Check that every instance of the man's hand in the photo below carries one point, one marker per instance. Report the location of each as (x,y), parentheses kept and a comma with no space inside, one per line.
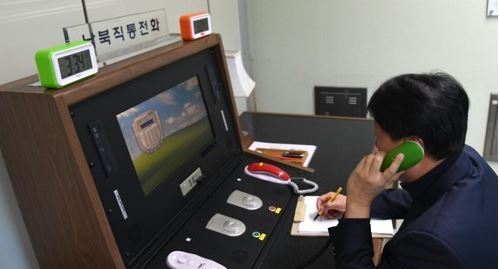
(366,182)
(334,209)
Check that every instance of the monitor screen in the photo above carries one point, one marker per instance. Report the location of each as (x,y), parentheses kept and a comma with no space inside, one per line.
(200,25)
(75,63)
(165,131)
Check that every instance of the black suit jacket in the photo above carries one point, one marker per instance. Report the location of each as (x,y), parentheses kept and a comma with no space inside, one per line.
(450,220)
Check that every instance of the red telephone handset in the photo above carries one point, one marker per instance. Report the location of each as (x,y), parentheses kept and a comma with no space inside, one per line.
(268,169)
(272,173)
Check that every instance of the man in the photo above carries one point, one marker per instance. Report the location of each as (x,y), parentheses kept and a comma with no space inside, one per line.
(448,201)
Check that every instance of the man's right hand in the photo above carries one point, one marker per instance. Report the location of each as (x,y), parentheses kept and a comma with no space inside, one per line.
(334,209)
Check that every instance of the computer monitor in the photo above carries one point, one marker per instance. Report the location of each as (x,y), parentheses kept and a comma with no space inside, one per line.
(165,131)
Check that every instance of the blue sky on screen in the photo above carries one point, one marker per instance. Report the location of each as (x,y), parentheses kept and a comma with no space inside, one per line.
(178,107)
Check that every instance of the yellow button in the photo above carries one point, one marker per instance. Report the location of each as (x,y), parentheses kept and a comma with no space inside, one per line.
(262,236)
(278,210)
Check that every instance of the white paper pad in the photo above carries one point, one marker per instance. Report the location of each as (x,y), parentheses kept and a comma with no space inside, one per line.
(320,226)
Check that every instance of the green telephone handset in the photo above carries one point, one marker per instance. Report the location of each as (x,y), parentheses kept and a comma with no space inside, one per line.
(413,154)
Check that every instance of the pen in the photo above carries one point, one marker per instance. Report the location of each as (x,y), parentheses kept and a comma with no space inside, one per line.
(331,199)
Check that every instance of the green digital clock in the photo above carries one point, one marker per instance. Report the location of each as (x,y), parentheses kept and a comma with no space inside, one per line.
(64,64)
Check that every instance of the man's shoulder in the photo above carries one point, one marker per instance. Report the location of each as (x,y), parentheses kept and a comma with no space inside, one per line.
(472,153)
(480,167)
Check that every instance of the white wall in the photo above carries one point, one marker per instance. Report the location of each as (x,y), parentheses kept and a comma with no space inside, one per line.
(105,9)
(22,34)
(15,248)
(225,20)
(229,19)
(296,45)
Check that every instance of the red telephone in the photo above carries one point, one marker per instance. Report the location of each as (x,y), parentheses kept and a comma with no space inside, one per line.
(272,173)
(268,169)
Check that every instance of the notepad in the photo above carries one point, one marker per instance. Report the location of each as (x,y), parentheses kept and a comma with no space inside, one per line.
(304,224)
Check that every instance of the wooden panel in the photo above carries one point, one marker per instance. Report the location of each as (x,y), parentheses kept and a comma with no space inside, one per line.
(54,191)
(377,249)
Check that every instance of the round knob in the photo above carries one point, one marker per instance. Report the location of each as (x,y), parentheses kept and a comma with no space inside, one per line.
(249,201)
(230,226)
(183,259)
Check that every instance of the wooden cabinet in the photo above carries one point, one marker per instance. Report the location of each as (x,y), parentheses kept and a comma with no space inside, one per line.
(50,175)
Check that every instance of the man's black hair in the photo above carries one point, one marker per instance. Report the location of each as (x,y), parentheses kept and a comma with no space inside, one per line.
(433,107)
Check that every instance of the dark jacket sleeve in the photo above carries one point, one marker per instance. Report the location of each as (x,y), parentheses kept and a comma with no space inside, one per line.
(420,250)
(353,249)
(352,243)
(391,204)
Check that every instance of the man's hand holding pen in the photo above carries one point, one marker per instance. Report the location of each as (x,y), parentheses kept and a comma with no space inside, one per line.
(331,209)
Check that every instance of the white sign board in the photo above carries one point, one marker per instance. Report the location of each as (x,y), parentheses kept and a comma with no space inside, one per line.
(118,36)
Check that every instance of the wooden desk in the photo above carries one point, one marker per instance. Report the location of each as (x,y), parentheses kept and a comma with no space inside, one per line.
(341,142)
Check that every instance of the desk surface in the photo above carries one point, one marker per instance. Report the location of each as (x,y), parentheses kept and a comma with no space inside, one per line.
(341,143)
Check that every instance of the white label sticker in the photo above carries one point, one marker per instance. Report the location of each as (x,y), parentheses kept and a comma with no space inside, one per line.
(191,181)
(120,204)
(225,122)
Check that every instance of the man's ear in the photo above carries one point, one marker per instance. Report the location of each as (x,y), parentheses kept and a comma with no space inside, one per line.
(416,139)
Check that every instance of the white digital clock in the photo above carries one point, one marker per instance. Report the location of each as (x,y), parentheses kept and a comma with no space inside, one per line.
(64,64)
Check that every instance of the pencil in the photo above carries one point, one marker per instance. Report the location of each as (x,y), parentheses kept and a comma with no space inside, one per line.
(331,199)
